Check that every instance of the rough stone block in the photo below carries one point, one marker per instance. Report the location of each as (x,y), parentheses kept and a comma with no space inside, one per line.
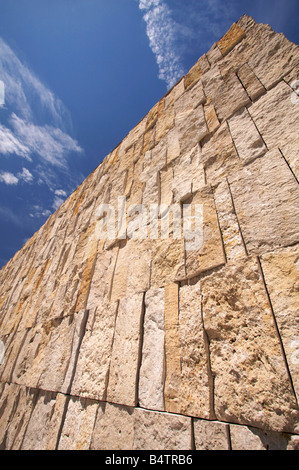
(161,431)
(246,137)
(152,370)
(234,35)
(251,381)
(275,116)
(125,359)
(250,81)
(207,251)
(281,271)
(211,435)
(265,195)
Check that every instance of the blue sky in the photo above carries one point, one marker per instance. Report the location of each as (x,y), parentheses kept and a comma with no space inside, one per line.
(79,75)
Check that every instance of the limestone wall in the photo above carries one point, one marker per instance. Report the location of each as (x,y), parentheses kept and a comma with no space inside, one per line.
(132,343)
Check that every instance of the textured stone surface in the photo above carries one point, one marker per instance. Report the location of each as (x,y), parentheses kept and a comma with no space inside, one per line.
(143,339)
(161,431)
(194,392)
(251,379)
(250,81)
(266,199)
(281,271)
(172,349)
(210,253)
(247,140)
(275,116)
(230,39)
(211,435)
(93,365)
(114,428)
(125,352)
(152,369)
(78,425)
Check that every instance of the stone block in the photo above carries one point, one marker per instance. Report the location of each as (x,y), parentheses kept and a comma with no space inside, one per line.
(211,435)
(265,195)
(251,381)
(125,359)
(250,81)
(281,271)
(246,137)
(152,369)
(275,116)
(234,35)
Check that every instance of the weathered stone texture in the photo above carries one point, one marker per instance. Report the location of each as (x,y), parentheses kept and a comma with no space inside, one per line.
(180,330)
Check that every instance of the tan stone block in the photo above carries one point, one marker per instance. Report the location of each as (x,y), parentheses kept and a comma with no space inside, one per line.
(152,369)
(228,222)
(276,117)
(8,398)
(114,428)
(251,381)
(207,251)
(78,424)
(192,77)
(165,123)
(281,271)
(211,117)
(132,270)
(122,386)
(161,431)
(265,195)
(194,391)
(211,435)
(246,137)
(230,96)
(192,127)
(176,91)
(219,155)
(172,349)
(44,423)
(173,145)
(234,35)
(248,438)
(92,368)
(250,81)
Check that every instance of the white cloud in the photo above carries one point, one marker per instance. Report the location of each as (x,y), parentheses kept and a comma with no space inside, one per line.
(50,143)
(60,192)
(8,178)
(26,97)
(25,175)
(57,202)
(161,30)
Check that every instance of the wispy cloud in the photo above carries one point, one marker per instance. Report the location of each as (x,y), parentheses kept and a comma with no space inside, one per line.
(8,178)
(161,30)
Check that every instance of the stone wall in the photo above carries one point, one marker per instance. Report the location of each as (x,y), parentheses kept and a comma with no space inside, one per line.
(142,343)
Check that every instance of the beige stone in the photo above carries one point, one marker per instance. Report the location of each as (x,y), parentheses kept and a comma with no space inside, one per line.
(281,271)
(230,39)
(194,391)
(251,381)
(152,369)
(219,155)
(114,428)
(93,365)
(173,145)
(250,81)
(172,349)
(248,438)
(211,117)
(125,357)
(247,139)
(228,222)
(161,431)
(206,252)
(78,424)
(44,423)
(275,116)
(229,97)
(265,195)
(211,435)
